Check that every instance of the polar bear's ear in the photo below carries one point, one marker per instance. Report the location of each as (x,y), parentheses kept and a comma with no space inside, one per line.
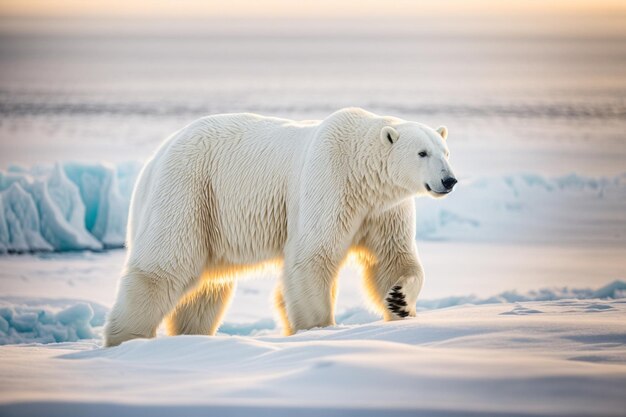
(443,131)
(389,135)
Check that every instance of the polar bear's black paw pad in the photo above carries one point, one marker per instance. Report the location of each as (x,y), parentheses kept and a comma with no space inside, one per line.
(396,302)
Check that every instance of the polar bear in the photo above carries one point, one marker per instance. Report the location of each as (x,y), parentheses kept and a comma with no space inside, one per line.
(233,191)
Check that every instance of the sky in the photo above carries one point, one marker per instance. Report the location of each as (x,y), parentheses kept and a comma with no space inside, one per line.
(314,9)
(569,18)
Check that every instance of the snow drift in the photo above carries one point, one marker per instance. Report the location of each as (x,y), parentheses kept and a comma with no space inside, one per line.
(74,206)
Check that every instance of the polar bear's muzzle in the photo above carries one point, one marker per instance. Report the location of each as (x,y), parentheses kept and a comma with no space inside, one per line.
(447,183)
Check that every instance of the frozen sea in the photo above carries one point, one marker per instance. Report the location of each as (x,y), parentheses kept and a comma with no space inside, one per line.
(525,261)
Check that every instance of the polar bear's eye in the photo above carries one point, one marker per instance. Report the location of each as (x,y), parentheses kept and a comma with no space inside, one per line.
(423,154)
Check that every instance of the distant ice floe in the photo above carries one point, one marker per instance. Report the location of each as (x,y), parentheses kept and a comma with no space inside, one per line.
(41,320)
(70,206)
(77,206)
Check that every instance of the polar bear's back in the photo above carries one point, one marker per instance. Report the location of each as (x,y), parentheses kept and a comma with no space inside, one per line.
(254,162)
(225,177)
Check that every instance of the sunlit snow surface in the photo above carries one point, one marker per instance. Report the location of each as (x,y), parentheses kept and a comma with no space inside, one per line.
(558,358)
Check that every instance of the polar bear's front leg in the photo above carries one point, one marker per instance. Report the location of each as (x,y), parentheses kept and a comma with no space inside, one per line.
(308,293)
(308,287)
(393,274)
(321,227)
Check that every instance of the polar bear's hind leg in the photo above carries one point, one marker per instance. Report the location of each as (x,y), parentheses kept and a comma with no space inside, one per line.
(143,301)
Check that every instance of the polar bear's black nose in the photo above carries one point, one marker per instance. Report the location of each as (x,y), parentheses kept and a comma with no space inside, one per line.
(449,182)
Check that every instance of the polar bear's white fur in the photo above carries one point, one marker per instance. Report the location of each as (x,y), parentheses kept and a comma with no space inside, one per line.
(230,192)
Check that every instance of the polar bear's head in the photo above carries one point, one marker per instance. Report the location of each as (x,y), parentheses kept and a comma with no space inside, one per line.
(418,158)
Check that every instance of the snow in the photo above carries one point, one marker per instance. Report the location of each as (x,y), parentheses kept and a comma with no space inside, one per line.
(566,358)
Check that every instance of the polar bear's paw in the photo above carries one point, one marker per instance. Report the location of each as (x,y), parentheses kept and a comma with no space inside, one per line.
(396,302)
